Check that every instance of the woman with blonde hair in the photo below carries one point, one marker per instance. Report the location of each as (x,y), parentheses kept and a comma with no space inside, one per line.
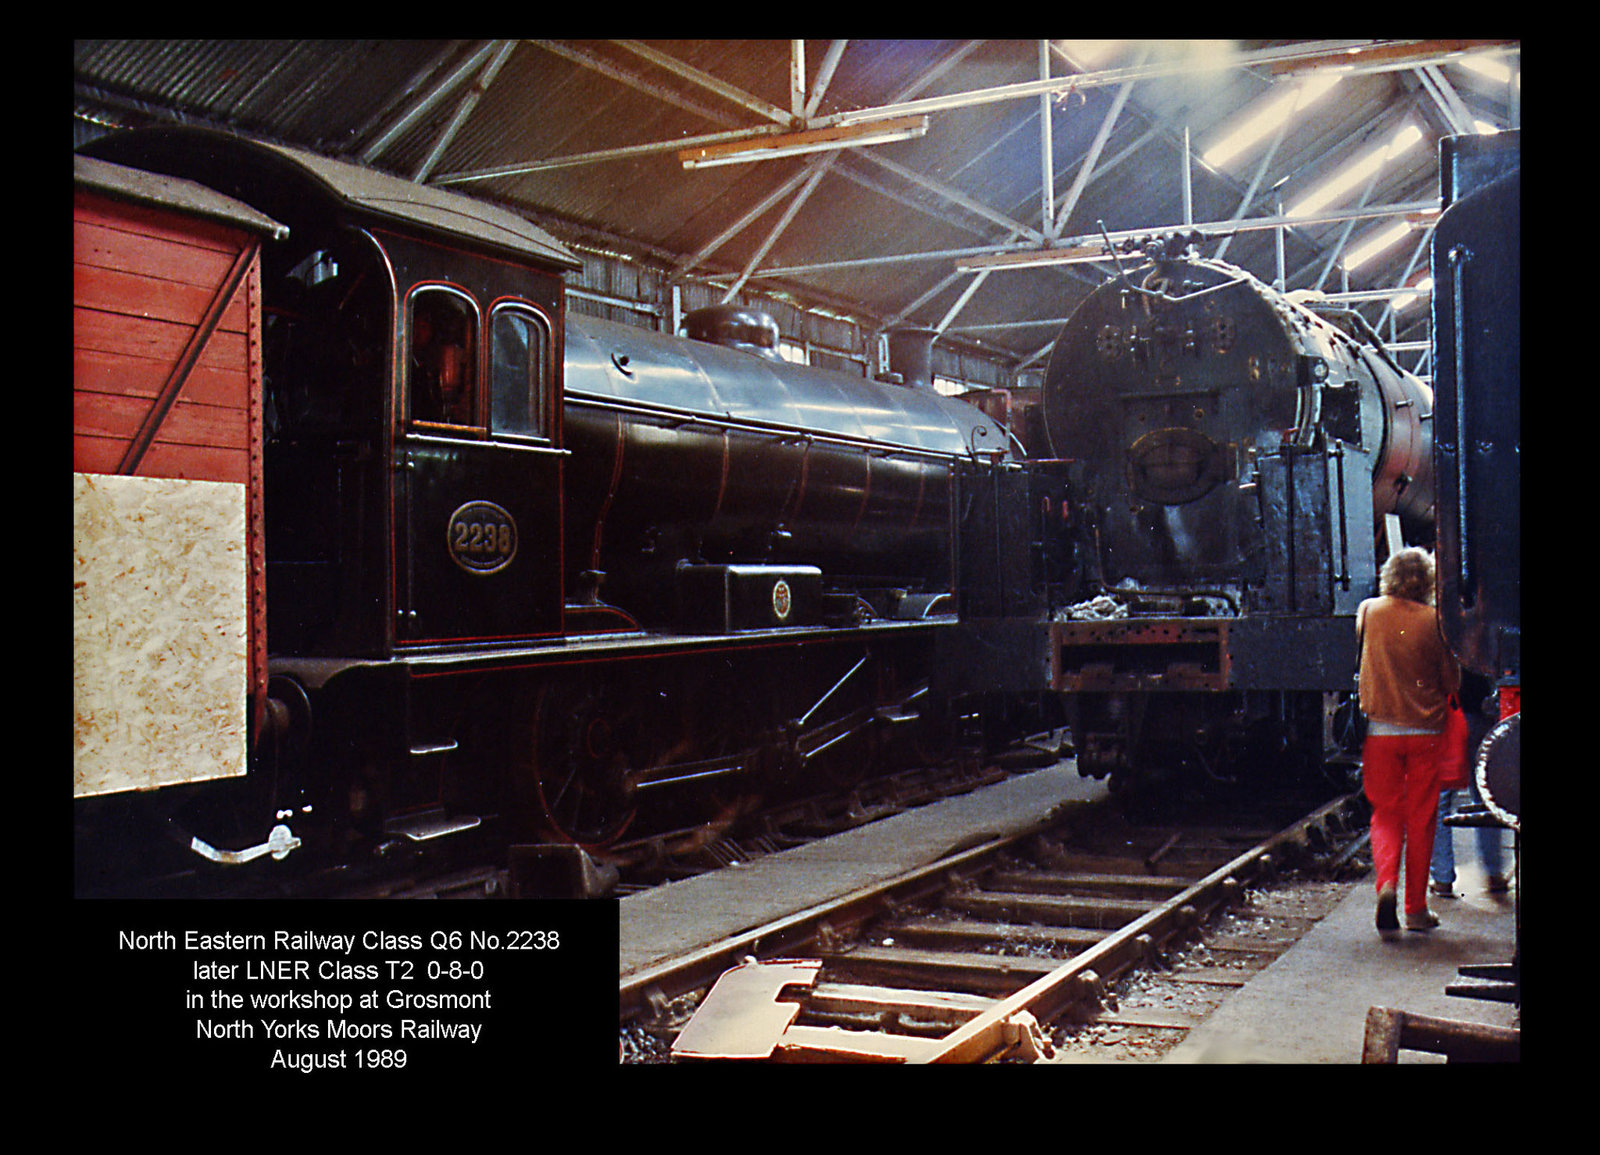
(1406,679)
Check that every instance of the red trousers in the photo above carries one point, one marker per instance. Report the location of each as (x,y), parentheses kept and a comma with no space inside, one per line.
(1401,778)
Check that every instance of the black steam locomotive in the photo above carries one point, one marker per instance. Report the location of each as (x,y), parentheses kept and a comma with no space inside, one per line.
(1477,336)
(520,567)
(1232,465)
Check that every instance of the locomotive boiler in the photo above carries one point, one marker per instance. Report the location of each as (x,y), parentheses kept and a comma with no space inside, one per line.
(526,571)
(1240,463)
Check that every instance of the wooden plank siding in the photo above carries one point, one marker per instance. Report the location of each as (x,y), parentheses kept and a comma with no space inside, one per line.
(141,281)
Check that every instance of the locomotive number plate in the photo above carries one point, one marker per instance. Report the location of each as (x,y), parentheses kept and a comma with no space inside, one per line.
(481,537)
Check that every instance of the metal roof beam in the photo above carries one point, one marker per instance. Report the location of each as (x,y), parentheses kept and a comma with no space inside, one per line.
(1255,182)
(711,83)
(949,61)
(1349,227)
(502,52)
(1392,55)
(635,81)
(1107,166)
(1002,326)
(869,262)
(938,213)
(1047,161)
(1355,55)
(1446,100)
(1085,170)
(813,177)
(961,300)
(954,196)
(1422,209)
(818,170)
(819,87)
(425,102)
(797,80)
(522,168)
(953,58)
(1051,220)
(1416,255)
(738,226)
(938,287)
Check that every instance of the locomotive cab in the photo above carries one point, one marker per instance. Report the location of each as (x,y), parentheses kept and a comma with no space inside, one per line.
(411,350)
(412,403)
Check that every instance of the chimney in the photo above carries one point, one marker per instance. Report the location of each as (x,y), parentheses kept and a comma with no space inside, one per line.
(911,355)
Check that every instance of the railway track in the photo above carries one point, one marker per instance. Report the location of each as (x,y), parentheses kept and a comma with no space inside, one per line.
(1065,941)
(672,855)
(483,868)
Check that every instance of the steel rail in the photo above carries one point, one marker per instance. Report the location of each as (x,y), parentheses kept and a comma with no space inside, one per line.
(992,1032)
(674,976)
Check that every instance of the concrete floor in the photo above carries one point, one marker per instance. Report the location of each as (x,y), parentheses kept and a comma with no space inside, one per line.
(673,919)
(1310,1005)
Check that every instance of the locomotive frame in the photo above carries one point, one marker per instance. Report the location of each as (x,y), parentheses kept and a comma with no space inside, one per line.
(531,574)
(1231,465)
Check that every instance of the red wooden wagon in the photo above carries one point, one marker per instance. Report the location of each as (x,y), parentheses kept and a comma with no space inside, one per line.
(169,575)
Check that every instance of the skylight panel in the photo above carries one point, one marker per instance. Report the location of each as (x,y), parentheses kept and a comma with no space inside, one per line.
(1491,65)
(1086,54)
(1262,121)
(1356,173)
(1406,300)
(1379,241)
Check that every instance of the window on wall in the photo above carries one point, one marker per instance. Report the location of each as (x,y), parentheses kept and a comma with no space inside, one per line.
(443,357)
(519,374)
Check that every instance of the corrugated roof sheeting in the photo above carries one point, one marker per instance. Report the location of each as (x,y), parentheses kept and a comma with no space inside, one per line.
(973,180)
(313,93)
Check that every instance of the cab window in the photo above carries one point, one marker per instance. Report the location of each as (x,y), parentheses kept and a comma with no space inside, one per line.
(520,356)
(443,358)
(328,320)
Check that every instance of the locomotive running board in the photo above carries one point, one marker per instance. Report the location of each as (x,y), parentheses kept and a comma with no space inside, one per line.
(427,826)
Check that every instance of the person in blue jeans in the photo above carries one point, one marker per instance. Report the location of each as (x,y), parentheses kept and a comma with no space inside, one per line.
(1475,698)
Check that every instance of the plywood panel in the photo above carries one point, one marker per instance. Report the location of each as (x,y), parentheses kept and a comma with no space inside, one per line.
(160,632)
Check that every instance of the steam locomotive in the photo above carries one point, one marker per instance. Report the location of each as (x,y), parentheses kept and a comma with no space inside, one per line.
(1477,335)
(1235,465)
(1476,255)
(468,560)
(378,545)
